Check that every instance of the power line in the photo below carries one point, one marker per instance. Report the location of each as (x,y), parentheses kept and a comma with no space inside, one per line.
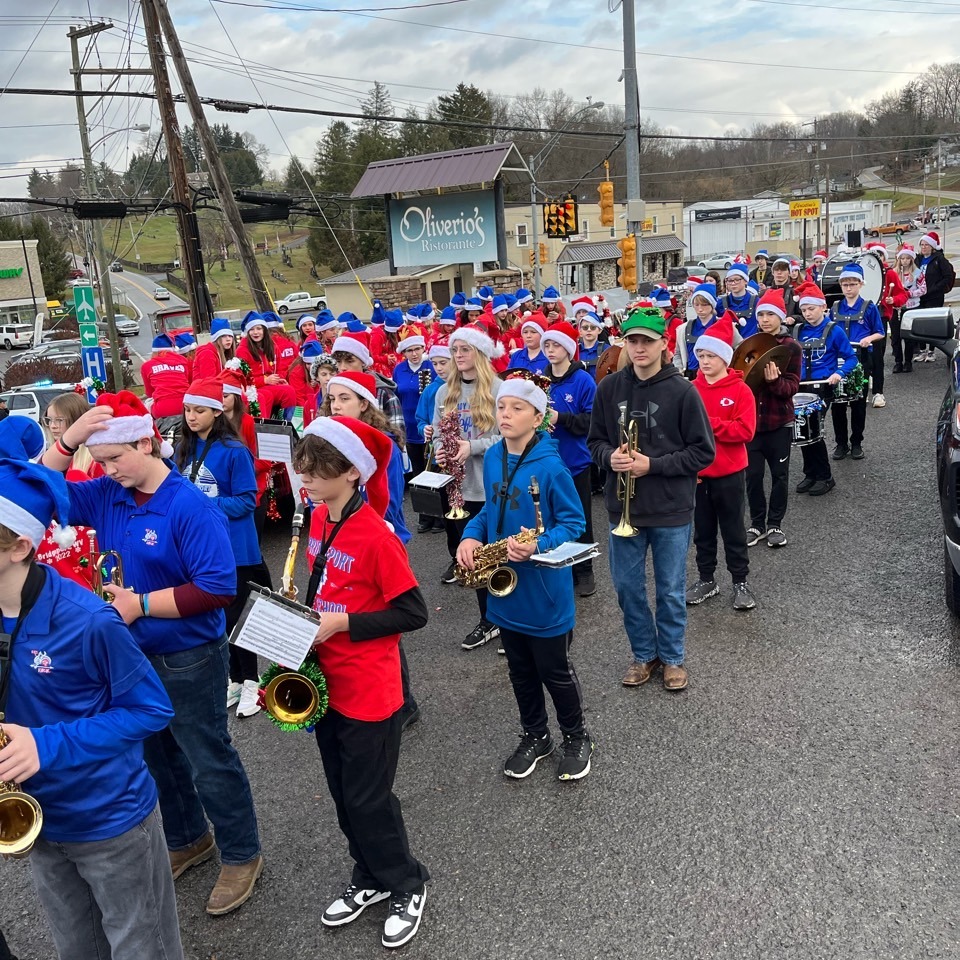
(304,8)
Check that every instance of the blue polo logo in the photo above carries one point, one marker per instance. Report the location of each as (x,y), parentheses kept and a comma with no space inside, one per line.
(42,661)
(150,538)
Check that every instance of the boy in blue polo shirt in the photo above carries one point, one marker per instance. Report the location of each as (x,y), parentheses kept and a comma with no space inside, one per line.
(79,698)
(861,321)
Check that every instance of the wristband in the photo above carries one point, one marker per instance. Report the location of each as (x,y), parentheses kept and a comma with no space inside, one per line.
(65,448)
(145,604)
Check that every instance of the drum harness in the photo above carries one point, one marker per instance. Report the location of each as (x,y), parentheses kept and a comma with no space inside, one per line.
(809,346)
(847,320)
(741,313)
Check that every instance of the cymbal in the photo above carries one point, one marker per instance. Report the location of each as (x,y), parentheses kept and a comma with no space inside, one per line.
(780,355)
(750,349)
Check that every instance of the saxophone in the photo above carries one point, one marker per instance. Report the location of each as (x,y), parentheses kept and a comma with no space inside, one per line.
(20,816)
(491,571)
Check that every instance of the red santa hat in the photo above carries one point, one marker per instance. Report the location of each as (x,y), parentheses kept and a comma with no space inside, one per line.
(364,385)
(232,381)
(536,320)
(877,247)
(718,337)
(693,282)
(772,301)
(130,422)
(907,251)
(933,238)
(582,303)
(809,293)
(351,343)
(565,334)
(365,447)
(206,392)
(820,255)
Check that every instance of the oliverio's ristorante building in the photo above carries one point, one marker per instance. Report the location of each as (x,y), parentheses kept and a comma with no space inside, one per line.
(18,302)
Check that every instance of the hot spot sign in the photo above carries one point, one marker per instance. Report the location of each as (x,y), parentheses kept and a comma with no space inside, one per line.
(447,228)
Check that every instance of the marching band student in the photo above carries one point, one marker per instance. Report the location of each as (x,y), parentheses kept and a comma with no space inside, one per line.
(76,717)
(165,382)
(773,441)
(299,376)
(353,357)
(815,270)
(827,355)
(323,368)
(909,277)
(177,557)
(531,357)
(307,326)
(571,401)
(285,350)
(212,357)
(257,351)
(471,393)
(739,300)
(442,366)
(732,413)
(383,347)
(591,326)
(328,328)
(186,347)
(212,456)
(762,273)
(413,375)
(861,322)
(892,298)
(704,301)
(536,636)
(781,281)
(675,443)
(446,324)
(551,305)
(362,585)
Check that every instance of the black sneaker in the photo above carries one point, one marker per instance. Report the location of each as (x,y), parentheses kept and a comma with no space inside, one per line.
(409,717)
(480,634)
(898,368)
(587,585)
(776,537)
(575,762)
(530,751)
(805,484)
(350,905)
(840,451)
(403,921)
(425,524)
(743,599)
(822,486)
(754,536)
(856,451)
(448,576)
(702,590)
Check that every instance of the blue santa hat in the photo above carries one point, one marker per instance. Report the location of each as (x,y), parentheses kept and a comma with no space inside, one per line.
(185,342)
(392,320)
(324,316)
(511,300)
(706,290)
(311,349)
(661,297)
(355,325)
(485,294)
(220,328)
(33,495)
(346,317)
(377,317)
(272,320)
(852,271)
(473,305)
(739,269)
(524,296)
(762,253)
(305,318)
(500,304)
(753,287)
(21,438)
(550,295)
(448,315)
(458,301)
(252,319)
(161,342)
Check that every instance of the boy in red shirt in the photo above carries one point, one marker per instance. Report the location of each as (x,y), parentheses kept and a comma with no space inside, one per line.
(720,490)
(362,584)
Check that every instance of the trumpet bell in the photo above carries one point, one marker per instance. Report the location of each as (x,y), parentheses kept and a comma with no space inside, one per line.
(20,822)
(291,698)
(502,582)
(624,528)
(457,513)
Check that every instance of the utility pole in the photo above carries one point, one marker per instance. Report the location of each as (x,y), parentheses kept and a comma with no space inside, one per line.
(201,309)
(106,287)
(218,173)
(826,204)
(534,229)
(631,130)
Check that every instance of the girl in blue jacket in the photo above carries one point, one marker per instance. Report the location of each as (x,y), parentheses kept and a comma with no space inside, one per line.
(536,619)
(212,456)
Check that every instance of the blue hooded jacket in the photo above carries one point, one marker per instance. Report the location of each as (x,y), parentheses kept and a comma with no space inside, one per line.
(542,604)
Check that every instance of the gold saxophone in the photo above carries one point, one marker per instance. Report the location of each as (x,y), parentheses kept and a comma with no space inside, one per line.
(20,816)
(490,560)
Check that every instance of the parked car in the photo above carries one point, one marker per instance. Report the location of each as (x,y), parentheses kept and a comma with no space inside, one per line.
(717,261)
(936,326)
(16,335)
(891,228)
(32,401)
(116,267)
(126,326)
(161,294)
(85,282)
(300,301)
(75,274)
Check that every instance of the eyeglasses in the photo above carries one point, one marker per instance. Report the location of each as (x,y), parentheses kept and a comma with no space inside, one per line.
(50,421)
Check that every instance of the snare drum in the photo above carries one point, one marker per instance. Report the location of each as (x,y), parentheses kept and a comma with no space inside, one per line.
(851,387)
(808,411)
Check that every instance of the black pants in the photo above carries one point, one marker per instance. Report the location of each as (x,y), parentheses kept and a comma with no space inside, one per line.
(455,530)
(896,343)
(876,371)
(816,463)
(583,482)
(5,953)
(243,663)
(720,504)
(360,762)
(858,420)
(409,700)
(538,662)
(770,448)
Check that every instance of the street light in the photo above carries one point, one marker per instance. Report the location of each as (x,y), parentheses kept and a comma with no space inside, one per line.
(139,128)
(534,162)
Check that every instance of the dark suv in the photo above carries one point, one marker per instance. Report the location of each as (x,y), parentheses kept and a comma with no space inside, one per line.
(936,326)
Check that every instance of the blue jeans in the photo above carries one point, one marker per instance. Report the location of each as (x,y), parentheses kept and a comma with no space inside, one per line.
(197,768)
(663,640)
(110,898)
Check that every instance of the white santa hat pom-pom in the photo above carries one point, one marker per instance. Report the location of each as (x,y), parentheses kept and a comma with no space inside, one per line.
(64,537)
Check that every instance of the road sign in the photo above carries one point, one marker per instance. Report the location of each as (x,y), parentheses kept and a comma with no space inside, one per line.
(89,337)
(646,226)
(83,302)
(804,209)
(94,365)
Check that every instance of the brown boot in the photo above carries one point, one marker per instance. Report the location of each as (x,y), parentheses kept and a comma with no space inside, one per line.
(674,678)
(639,673)
(234,886)
(199,852)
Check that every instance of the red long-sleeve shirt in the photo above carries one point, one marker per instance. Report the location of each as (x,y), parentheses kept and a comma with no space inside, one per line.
(286,351)
(166,380)
(207,362)
(733,418)
(892,287)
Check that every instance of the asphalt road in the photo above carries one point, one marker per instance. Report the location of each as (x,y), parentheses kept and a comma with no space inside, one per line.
(799,800)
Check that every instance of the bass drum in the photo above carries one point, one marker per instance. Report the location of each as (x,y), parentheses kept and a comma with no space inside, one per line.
(872,276)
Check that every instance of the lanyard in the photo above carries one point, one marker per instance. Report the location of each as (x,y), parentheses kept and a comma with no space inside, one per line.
(36,578)
(320,561)
(197,464)
(504,490)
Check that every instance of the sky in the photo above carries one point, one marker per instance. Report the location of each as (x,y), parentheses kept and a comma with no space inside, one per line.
(704,68)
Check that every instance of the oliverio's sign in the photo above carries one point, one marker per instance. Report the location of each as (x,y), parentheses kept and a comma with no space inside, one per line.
(450,228)
(11,273)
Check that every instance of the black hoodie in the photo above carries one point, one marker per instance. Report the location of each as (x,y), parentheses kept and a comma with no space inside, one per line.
(674,433)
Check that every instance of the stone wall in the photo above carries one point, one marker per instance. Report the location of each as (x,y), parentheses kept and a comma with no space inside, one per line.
(502,281)
(605,275)
(392,292)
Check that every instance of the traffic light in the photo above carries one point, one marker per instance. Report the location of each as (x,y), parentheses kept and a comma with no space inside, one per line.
(544,256)
(533,258)
(628,262)
(552,222)
(606,203)
(571,224)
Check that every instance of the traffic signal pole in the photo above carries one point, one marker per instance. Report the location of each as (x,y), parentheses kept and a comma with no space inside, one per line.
(631,127)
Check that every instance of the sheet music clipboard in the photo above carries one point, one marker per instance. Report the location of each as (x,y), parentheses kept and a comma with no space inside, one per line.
(275,627)
(276,440)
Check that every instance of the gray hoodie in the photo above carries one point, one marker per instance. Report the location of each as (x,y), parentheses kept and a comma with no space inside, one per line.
(479,442)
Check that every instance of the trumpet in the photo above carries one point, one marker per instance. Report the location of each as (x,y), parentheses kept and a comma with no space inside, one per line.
(629,438)
(20,816)
(101,572)
(490,570)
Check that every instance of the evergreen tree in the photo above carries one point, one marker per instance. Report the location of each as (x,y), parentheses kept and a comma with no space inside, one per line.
(469,103)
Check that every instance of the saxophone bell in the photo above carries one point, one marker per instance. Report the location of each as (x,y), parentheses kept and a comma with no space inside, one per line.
(21,817)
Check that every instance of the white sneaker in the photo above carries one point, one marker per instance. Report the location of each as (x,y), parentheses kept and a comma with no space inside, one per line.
(233,694)
(248,706)
(879,400)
